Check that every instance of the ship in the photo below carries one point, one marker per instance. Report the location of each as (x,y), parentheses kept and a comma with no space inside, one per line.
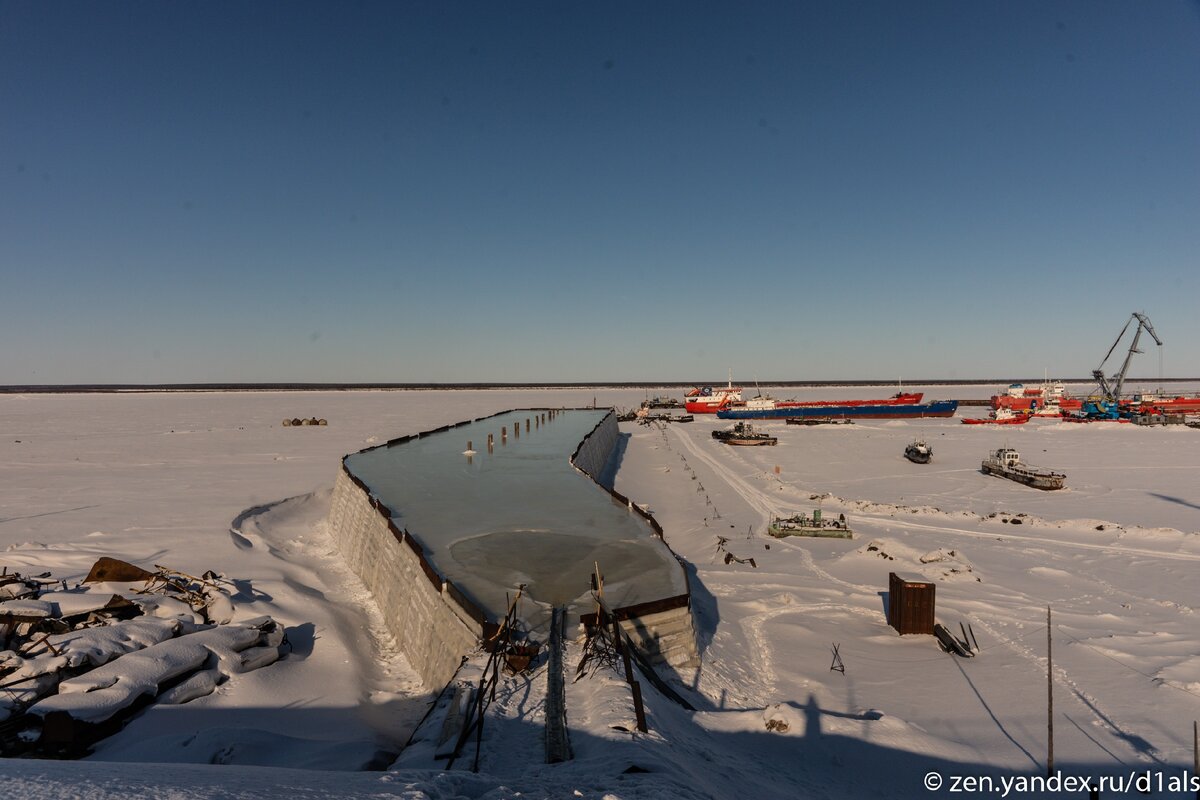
(707,400)
(662,401)
(816,525)
(743,434)
(766,402)
(1049,399)
(1006,463)
(876,409)
(999,417)
(919,452)
(1162,403)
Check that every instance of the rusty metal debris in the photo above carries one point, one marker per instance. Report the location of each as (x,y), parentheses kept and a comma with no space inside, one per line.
(113,569)
(204,595)
(58,644)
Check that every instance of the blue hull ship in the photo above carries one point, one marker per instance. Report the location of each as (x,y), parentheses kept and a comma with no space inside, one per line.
(939,408)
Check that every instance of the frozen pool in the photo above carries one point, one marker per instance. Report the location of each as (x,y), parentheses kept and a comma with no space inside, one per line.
(520,514)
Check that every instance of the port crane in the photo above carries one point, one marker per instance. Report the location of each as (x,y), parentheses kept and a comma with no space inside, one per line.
(1110,388)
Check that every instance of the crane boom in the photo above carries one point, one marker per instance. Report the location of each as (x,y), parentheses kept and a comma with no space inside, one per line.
(1110,388)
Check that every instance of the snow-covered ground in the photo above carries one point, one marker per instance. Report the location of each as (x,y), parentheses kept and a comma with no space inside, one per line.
(198,481)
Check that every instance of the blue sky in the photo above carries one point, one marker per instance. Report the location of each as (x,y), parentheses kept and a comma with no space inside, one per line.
(594,191)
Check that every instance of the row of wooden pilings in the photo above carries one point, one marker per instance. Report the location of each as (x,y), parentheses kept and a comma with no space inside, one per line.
(536,421)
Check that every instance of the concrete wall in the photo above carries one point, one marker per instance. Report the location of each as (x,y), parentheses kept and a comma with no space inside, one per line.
(433,630)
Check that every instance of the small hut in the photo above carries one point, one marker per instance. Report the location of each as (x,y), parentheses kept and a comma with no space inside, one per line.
(910,603)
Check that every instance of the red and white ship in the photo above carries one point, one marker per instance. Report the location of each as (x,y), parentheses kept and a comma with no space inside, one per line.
(1047,400)
(709,400)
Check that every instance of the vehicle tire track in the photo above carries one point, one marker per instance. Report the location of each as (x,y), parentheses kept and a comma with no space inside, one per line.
(1038,540)
(752,496)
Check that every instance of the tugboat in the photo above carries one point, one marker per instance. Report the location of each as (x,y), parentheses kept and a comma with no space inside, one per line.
(918,452)
(1006,463)
(743,434)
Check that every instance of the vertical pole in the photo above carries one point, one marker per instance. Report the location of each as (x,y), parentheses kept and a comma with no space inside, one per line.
(639,710)
(490,442)
(527,424)
(1196,756)
(503,434)
(1049,701)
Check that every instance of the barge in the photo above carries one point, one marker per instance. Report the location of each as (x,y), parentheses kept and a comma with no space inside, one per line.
(816,525)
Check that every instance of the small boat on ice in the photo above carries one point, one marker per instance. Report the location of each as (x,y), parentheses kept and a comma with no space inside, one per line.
(1006,463)
(816,525)
(1000,416)
(743,434)
(919,452)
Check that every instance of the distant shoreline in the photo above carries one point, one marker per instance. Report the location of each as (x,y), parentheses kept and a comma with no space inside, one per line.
(485,386)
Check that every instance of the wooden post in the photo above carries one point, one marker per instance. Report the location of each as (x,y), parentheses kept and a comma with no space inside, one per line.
(1196,756)
(503,434)
(490,442)
(1049,701)
(527,424)
(639,710)
(516,430)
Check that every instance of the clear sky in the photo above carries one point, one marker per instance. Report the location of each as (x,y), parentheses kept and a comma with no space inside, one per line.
(442,191)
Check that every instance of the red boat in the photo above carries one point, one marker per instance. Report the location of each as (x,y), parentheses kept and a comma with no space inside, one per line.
(707,400)
(1157,402)
(1047,400)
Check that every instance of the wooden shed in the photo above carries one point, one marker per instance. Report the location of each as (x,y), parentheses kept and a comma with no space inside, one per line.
(910,603)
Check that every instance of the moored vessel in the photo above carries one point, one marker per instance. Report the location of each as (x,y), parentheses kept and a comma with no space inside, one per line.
(919,452)
(863,410)
(816,525)
(1163,403)
(767,403)
(744,434)
(707,400)
(1047,399)
(1005,462)
(999,417)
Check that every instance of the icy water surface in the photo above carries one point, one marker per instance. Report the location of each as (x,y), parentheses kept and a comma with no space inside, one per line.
(520,514)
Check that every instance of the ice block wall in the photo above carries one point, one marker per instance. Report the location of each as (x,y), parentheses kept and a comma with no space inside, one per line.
(432,626)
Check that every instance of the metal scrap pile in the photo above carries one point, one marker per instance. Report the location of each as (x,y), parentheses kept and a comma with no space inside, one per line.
(76,663)
(297,422)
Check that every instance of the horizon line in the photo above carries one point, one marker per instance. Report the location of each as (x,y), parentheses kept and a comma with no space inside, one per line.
(302,386)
